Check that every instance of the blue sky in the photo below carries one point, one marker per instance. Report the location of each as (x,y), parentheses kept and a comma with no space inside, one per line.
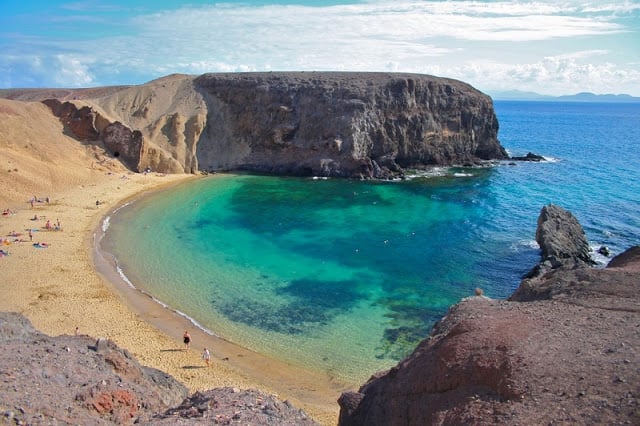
(552,47)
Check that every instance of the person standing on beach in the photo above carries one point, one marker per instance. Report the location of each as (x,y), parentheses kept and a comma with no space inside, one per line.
(186,338)
(206,355)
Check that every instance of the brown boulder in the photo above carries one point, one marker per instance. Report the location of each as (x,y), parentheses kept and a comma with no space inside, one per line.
(124,143)
(80,122)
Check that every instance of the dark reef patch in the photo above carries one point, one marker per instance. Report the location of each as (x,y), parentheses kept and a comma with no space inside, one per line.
(314,303)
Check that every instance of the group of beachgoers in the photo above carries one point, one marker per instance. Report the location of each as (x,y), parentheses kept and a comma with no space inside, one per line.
(13,234)
(35,199)
(18,237)
(186,339)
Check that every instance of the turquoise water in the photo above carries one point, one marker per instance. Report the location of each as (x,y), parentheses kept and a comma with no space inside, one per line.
(347,276)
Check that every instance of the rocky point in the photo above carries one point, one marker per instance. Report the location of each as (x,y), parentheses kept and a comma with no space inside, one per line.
(564,349)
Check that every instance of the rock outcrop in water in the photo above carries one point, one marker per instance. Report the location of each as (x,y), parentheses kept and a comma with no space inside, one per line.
(48,380)
(564,349)
(372,125)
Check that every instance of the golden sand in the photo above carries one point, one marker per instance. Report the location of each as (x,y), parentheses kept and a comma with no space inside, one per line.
(68,285)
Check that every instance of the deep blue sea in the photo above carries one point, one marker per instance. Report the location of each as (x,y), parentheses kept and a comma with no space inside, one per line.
(347,276)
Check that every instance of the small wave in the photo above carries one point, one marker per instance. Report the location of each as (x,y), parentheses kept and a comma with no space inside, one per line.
(530,244)
(320,178)
(158,301)
(161,303)
(123,206)
(105,223)
(461,174)
(433,172)
(195,323)
(551,159)
(124,276)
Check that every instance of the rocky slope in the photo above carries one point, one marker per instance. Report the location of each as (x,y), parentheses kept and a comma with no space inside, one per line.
(564,349)
(81,380)
(36,154)
(372,125)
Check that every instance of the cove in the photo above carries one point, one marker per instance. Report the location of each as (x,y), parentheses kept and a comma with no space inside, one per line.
(340,276)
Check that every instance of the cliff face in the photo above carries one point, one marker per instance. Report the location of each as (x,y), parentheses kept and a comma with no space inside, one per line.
(153,126)
(328,124)
(343,124)
(563,349)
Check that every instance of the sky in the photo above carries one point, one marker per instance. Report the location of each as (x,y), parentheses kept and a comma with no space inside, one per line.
(551,47)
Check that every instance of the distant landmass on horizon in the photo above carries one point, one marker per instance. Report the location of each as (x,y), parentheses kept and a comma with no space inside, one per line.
(518,95)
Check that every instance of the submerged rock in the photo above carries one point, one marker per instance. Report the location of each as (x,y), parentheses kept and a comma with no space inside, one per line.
(529,157)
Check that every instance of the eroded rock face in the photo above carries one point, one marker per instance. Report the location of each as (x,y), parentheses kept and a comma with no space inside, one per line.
(124,143)
(562,350)
(563,245)
(88,125)
(370,125)
(79,121)
(343,124)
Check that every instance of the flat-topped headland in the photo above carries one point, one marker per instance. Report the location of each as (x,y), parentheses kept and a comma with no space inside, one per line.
(370,125)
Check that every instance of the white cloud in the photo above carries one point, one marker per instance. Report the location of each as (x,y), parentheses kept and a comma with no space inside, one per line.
(407,21)
(359,37)
(554,75)
(71,69)
(486,43)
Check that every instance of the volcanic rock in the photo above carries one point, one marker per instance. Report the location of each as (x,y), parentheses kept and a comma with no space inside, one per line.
(564,350)
(563,245)
(366,125)
(233,406)
(529,157)
(344,124)
(82,380)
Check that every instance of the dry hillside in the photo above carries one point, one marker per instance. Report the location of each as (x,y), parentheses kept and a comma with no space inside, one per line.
(33,147)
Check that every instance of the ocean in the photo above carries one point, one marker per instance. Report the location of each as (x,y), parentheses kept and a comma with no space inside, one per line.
(347,276)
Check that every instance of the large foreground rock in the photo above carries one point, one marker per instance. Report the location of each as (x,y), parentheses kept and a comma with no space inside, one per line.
(371,125)
(75,379)
(568,355)
(48,380)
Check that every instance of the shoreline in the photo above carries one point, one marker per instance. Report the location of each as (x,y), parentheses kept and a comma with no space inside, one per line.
(68,285)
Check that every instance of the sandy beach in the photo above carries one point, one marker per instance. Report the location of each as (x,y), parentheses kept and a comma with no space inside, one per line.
(67,284)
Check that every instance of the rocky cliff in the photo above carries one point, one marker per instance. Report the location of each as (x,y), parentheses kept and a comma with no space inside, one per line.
(564,349)
(372,125)
(343,124)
